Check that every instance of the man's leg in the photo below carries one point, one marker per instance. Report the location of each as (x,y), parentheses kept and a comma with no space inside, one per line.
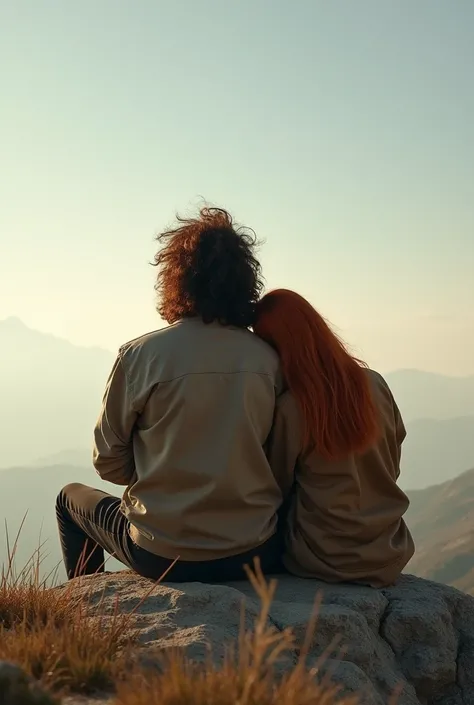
(229,569)
(90,521)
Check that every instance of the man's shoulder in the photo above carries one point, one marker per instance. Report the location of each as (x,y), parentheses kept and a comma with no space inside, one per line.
(252,341)
(148,341)
(256,355)
(190,346)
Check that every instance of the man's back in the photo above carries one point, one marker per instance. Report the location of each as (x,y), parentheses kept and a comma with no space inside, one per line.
(185,415)
(202,397)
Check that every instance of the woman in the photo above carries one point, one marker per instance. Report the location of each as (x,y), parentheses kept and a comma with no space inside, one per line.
(336,445)
(185,416)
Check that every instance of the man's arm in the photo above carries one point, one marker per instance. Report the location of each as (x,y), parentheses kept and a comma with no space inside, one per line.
(113,445)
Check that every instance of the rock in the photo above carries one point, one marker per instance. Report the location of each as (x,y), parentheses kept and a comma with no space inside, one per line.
(16,688)
(415,638)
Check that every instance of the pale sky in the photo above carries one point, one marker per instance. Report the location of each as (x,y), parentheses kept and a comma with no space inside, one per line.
(342,131)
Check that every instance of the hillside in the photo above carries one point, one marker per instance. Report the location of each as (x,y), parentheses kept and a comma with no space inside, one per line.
(435,451)
(442,521)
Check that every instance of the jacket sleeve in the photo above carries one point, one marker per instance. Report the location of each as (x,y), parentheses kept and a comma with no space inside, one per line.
(283,446)
(400,433)
(113,435)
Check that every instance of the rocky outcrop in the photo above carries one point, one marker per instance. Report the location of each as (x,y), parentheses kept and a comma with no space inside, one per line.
(416,638)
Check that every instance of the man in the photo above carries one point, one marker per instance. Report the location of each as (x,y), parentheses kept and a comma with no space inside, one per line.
(185,416)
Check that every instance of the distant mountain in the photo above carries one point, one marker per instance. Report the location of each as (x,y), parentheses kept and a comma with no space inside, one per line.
(77,457)
(50,393)
(435,451)
(424,395)
(441,519)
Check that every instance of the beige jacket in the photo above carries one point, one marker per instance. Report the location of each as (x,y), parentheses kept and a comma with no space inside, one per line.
(345,519)
(186,412)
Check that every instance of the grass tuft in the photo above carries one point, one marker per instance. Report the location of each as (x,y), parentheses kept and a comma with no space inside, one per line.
(53,636)
(23,594)
(69,656)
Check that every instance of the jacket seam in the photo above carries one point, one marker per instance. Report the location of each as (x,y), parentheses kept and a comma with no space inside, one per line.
(194,374)
(129,386)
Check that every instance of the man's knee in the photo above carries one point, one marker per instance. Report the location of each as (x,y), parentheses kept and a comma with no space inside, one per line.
(68,492)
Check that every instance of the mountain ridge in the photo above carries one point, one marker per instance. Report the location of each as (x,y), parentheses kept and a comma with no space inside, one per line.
(441,519)
(17,325)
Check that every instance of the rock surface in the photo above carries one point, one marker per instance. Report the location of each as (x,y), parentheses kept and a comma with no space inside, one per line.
(417,636)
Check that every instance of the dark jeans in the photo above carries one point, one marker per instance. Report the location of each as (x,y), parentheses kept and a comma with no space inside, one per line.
(90,521)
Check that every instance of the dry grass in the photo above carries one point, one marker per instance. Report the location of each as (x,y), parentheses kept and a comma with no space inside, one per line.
(23,594)
(46,631)
(48,634)
(186,684)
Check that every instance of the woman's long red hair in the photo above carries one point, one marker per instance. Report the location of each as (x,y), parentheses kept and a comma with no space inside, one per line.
(331,387)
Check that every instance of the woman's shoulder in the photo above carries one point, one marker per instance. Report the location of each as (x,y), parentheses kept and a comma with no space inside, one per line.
(388,407)
(380,384)
(376,378)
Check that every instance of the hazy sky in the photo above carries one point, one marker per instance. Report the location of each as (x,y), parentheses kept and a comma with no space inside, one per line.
(341,130)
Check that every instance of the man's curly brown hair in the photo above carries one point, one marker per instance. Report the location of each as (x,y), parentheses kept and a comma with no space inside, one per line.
(208,268)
